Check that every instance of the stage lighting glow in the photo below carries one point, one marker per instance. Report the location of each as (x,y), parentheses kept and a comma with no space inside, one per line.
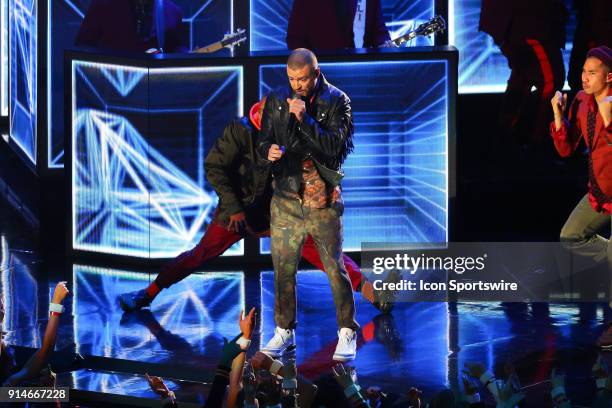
(4,86)
(198,311)
(23,17)
(396,183)
(135,191)
(20,296)
(125,80)
(4,254)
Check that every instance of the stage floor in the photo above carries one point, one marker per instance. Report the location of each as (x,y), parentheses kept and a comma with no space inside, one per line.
(419,344)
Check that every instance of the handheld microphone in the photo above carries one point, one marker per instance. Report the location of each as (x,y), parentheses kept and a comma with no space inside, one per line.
(292,122)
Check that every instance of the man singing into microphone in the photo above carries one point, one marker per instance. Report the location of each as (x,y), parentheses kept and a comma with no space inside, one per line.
(306,134)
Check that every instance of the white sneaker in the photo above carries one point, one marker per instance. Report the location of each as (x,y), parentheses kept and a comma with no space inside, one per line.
(282,339)
(347,345)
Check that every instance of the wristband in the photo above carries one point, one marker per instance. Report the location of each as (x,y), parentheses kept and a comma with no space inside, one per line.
(351,390)
(243,343)
(557,391)
(276,367)
(55,307)
(54,314)
(289,383)
(473,399)
(601,383)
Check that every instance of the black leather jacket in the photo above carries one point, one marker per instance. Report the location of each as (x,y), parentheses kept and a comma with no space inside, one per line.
(325,135)
(239,179)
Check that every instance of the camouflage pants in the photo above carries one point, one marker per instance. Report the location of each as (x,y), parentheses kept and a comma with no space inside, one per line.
(290,224)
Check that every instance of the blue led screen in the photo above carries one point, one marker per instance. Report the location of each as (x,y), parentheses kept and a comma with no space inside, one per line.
(138,180)
(23,17)
(19,291)
(64,21)
(4,27)
(189,320)
(269,20)
(482,66)
(396,181)
(208,21)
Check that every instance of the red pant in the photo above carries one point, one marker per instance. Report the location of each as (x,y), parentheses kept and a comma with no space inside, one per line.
(217,239)
(533,63)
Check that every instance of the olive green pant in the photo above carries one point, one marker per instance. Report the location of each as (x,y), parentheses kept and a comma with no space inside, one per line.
(289,225)
(580,235)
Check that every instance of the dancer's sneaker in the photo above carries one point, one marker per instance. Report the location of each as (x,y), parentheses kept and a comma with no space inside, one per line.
(605,340)
(282,339)
(347,345)
(132,301)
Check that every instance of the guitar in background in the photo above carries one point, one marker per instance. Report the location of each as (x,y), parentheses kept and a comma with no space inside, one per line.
(434,25)
(228,41)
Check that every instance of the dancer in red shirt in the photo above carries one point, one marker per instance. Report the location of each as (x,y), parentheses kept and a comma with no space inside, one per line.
(590,118)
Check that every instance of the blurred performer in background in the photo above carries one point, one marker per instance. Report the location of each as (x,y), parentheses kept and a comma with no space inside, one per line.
(133,26)
(531,35)
(593,28)
(336,24)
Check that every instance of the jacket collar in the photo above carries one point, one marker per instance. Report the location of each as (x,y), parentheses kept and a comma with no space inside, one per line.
(321,85)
